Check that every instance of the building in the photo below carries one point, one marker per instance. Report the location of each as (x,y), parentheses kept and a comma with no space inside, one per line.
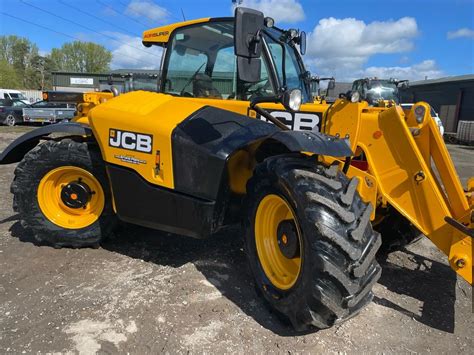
(124,80)
(452,97)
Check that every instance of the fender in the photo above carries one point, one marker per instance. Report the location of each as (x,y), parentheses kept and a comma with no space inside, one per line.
(23,144)
(203,143)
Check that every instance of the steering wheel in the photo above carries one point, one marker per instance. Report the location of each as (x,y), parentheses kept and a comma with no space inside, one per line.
(259,86)
(191,79)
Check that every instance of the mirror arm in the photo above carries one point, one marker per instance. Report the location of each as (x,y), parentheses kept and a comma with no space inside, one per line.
(254,41)
(276,99)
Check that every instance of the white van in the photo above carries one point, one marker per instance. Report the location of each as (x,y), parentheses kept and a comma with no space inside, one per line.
(13,95)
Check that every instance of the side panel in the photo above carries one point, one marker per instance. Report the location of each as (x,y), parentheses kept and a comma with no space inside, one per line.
(139,202)
(134,131)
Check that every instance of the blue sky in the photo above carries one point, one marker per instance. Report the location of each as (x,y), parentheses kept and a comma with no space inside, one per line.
(348,39)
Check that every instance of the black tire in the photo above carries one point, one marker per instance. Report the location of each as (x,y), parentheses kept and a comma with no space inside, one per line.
(338,267)
(10,120)
(397,232)
(28,174)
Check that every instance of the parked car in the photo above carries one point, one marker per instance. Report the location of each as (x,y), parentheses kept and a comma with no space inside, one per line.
(434,115)
(11,111)
(11,94)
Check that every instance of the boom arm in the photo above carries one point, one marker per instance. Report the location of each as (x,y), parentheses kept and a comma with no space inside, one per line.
(414,173)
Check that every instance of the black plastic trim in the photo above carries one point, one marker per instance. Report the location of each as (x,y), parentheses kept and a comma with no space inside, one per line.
(23,144)
(314,142)
(202,144)
(157,207)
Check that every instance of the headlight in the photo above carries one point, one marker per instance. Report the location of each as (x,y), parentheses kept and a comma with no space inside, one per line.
(295,99)
(355,97)
(419,113)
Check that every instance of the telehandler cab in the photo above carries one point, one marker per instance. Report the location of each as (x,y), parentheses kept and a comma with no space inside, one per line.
(377,92)
(193,159)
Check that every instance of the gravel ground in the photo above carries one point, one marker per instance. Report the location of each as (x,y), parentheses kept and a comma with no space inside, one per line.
(147,291)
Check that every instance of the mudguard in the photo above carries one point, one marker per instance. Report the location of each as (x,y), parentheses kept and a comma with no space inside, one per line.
(203,143)
(20,146)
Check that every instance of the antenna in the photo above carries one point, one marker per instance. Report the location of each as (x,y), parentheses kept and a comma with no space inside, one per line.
(182,13)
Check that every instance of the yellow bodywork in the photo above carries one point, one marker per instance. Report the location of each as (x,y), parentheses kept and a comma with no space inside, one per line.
(409,165)
(161,35)
(412,171)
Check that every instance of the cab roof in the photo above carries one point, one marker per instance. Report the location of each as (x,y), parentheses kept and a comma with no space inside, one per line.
(161,35)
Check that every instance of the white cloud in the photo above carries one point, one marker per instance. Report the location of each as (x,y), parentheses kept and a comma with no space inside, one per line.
(148,9)
(461,33)
(289,11)
(426,69)
(131,54)
(341,47)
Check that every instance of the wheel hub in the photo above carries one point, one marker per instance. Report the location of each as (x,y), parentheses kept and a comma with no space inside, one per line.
(278,241)
(287,237)
(76,194)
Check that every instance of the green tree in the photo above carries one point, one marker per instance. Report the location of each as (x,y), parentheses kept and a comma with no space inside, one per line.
(83,57)
(8,76)
(19,52)
(40,73)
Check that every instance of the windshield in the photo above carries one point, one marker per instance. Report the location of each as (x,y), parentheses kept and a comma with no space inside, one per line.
(294,69)
(381,90)
(200,62)
(19,96)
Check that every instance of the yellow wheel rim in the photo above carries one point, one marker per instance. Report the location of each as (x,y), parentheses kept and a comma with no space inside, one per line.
(281,270)
(52,202)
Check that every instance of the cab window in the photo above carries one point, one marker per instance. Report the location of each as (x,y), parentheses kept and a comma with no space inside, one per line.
(293,69)
(201,63)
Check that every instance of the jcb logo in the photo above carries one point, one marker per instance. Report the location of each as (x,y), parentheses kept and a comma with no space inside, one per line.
(298,121)
(130,140)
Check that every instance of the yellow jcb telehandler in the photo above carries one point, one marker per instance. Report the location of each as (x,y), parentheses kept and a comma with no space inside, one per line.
(234,135)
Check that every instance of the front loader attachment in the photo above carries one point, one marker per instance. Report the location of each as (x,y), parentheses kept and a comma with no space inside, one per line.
(413,172)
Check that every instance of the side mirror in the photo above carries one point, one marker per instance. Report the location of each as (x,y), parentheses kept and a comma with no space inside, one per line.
(248,43)
(302,42)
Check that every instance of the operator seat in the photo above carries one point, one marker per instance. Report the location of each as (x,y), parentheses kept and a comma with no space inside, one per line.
(202,87)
